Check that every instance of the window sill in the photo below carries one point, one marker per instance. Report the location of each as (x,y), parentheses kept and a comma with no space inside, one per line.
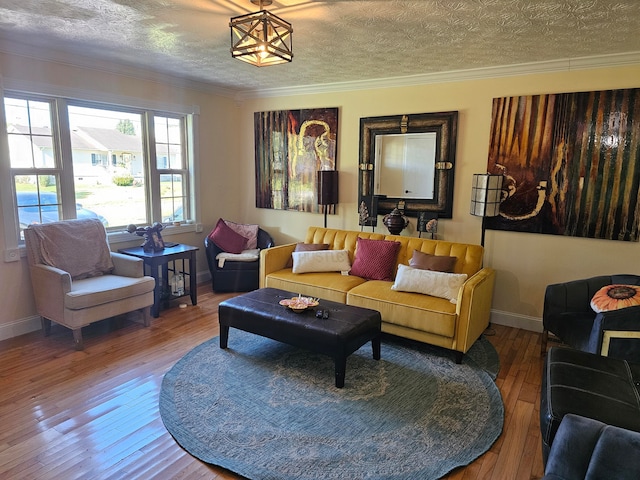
(125,237)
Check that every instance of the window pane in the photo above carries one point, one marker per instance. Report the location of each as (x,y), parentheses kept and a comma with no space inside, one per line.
(172,198)
(38,200)
(29,133)
(168,143)
(108,164)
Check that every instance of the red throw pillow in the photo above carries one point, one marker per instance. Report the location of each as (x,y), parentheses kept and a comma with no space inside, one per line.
(307,247)
(226,239)
(437,263)
(375,259)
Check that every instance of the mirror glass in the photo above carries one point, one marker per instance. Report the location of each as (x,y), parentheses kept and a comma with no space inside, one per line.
(405,165)
(407,161)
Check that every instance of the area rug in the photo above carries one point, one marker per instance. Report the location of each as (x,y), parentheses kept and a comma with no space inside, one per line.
(268,411)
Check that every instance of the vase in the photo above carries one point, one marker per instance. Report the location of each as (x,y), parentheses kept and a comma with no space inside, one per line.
(395,221)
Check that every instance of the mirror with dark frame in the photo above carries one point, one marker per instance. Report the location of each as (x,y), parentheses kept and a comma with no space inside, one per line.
(407,161)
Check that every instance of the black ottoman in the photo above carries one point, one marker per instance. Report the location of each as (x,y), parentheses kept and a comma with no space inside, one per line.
(602,388)
(345,330)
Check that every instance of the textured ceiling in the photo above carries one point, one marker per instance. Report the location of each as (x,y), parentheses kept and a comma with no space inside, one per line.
(333,41)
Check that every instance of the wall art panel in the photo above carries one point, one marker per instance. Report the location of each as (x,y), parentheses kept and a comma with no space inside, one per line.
(290,147)
(571,163)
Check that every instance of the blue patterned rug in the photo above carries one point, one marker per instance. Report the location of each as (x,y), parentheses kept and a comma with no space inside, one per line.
(266,410)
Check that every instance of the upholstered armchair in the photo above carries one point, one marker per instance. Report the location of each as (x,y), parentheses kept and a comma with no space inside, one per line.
(235,265)
(77,280)
(588,449)
(569,315)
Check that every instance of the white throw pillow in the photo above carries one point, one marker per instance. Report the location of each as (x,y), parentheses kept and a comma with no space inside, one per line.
(429,282)
(321,261)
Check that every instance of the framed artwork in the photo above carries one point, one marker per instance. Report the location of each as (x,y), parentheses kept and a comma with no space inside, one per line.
(571,163)
(290,147)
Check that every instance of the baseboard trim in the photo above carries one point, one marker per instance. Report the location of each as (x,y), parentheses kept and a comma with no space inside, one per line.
(20,327)
(515,320)
(31,324)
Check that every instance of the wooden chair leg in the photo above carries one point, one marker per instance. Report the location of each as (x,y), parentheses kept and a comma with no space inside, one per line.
(545,339)
(77,339)
(46,326)
(146,316)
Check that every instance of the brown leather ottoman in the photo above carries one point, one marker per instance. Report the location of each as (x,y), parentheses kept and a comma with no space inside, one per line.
(344,332)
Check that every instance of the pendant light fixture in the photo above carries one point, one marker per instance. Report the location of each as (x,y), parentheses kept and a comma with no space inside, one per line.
(261,38)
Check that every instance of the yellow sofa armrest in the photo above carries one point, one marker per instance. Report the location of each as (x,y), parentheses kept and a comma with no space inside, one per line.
(274,259)
(474,308)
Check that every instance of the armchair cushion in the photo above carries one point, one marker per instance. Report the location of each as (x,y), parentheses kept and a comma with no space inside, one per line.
(248,231)
(614,297)
(78,247)
(227,239)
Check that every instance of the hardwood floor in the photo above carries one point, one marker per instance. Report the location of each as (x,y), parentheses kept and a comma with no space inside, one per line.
(94,414)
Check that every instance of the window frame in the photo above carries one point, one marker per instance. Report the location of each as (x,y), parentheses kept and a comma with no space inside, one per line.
(63,157)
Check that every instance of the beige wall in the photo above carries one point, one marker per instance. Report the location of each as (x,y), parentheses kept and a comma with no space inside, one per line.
(525,263)
(217,172)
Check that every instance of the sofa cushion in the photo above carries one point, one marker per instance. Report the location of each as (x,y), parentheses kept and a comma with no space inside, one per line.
(248,231)
(227,239)
(426,261)
(307,247)
(429,282)
(375,259)
(321,261)
(326,285)
(614,297)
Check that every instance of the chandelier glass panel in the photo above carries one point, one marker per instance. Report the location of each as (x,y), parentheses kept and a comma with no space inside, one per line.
(261,38)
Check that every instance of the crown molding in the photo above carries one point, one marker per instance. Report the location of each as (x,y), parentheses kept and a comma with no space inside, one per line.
(563,65)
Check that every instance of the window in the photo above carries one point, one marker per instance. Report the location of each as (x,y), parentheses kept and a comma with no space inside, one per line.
(71,159)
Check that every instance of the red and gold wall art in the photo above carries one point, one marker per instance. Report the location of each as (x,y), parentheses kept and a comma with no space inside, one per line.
(571,163)
(290,147)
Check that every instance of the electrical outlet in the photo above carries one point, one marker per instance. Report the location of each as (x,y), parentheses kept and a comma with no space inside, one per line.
(198,228)
(11,255)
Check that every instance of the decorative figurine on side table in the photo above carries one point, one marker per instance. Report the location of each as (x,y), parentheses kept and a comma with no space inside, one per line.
(152,239)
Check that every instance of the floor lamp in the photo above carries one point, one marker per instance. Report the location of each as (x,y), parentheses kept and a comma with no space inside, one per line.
(327,190)
(486,194)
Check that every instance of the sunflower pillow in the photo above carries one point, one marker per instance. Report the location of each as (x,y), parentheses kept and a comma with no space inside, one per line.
(614,297)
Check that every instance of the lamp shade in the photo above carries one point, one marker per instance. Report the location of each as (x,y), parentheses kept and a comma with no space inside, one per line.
(486,194)
(327,187)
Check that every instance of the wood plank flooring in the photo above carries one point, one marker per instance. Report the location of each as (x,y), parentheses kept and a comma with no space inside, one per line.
(94,414)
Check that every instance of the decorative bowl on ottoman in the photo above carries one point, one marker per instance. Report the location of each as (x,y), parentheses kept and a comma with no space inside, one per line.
(299,304)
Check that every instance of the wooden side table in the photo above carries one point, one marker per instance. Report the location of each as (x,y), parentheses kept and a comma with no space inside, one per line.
(156,264)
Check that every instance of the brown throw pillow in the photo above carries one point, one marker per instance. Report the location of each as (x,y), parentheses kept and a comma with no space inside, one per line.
(437,263)
(307,247)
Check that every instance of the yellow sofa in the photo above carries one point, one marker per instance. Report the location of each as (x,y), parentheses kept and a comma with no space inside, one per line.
(420,317)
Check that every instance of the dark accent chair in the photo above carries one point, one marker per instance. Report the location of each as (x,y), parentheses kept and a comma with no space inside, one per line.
(235,276)
(568,315)
(592,386)
(586,449)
